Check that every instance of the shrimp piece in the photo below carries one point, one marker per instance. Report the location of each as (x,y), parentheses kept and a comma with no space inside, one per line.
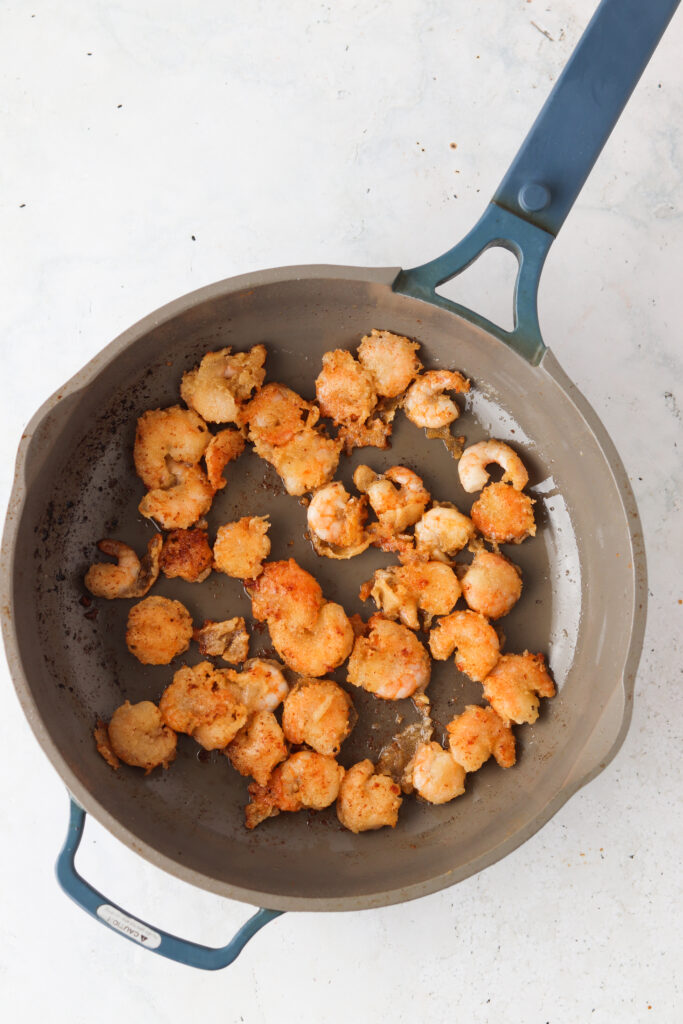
(336,521)
(391,361)
(514,686)
(492,584)
(473,639)
(130,577)
(181,505)
(224,447)
(503,514)
(401,591)
(318,650)
(475,459)
(137,735)
(425,403)
(318,712)
(176,434)
(222,382)
(260,686)
(241,547)
(276,414)
(228,640)
(442,532)
(286,594)
(344,389)
(477,734)
(201,702)
(187,554)
(306,779)
(398,497)
(258,747)
(308,461)
(158,630)
(368,800)
(435,775)
(389,662)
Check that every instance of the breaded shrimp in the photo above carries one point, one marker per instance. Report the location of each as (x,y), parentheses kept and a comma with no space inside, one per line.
(187,554)
(177,434)
(318,650)
(258,747)
(477,734)
(228,640)
(224,447)
(475,459)
(137,735)
(336,522)
(305,462)
(391,360)
(473,639)
(260,686)
(158,630)
(276,414)
(306,779)
(368,800)
(130,577)
(285,593)
(183,503)
(241,547)
(397,497)
(222,382)
(389,662)
(344,389)
(442,532)
(403,590)
(319,713)
(514,686)
(201,702)
(435,775)
(503,514)
(492,584)
(425,402)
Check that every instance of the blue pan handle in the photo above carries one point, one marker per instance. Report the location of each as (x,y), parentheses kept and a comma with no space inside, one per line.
(170,946)
(547,174)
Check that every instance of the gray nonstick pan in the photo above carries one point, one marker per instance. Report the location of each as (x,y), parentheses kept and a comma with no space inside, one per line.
(584,573)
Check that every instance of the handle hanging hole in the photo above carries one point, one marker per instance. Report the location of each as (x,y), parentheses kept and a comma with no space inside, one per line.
(487,285)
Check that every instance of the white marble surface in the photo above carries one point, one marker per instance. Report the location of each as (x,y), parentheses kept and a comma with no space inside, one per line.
(283,132)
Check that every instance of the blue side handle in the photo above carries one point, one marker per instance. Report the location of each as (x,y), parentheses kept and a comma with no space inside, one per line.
(173,948)
(547,174)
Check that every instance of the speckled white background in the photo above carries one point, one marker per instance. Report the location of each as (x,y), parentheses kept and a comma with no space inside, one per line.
(153,146)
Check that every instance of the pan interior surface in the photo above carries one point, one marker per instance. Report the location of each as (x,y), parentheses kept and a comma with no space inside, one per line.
(81,486)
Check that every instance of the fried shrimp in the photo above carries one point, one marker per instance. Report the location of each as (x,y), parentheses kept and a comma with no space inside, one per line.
(492,584)
(228,640)
(344,389)
(260,686)
(241,547)
(425,403)
(319,713)
(389,662)
(398,497)
(442,532)
(476,735)
(137,736)
(435,775)
(400,592)
(503,514)
(258,747)
(473,639)
(514,686)
(222,382)
(183,503)
(318,650)
(162,434)
(286,594)
(201,702)
(304,463)
(187,554)
(475,459)
(306,779)
(276,414)
(336,522)
(391,361)
(368,800)
(224,447)
(158,630)
(130,576)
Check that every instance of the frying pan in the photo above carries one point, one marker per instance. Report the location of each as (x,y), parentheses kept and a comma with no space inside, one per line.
(584,599)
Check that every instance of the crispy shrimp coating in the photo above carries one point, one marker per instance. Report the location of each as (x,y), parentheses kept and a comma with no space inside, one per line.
(401,591)
(503,514)
(276,414)
(318,650)
(241,547)
(389,662)
(435,775)
(222,383)
(183,503)
(391,360)
(475,459)
(319,713)
(308,461)
(398,497)
(228,640)
(187,554)
(442,532)
(306,779)
(130,576)
(336,522)
(476,735)
(258,747)
(344,389)
(260,686)
(201,702)
(514,686)
(158,630)
(286,594)
(425,403)
(473,639)
(368,800)
(492,584)
(177,434)
(224,447)
(137,736)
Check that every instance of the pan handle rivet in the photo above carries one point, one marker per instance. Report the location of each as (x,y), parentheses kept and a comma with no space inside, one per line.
(533,197)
